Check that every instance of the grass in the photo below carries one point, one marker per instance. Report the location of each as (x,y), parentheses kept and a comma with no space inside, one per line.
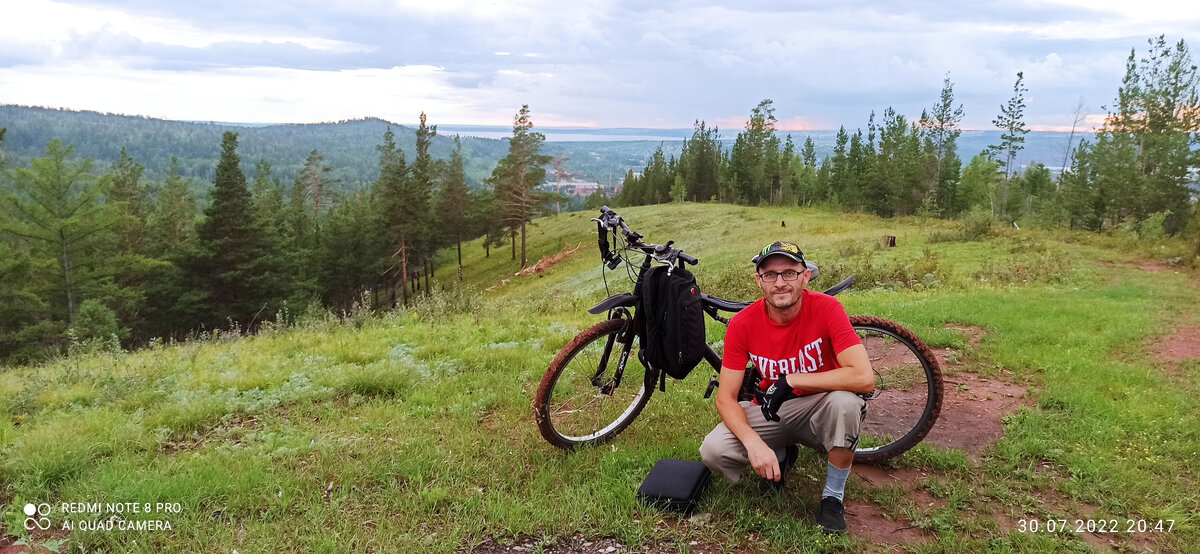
(411,430)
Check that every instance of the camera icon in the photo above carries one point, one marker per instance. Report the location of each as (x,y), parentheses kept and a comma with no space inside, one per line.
(37,517)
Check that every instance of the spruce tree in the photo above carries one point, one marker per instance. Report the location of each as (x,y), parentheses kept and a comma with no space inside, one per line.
(131,199)
(348,252)
(234,258)
(174,295)
(172,219)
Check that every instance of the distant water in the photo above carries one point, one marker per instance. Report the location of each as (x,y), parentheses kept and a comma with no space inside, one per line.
(571,134)
(1049,148)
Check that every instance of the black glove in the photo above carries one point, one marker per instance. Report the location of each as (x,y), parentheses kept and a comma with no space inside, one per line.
(774,396)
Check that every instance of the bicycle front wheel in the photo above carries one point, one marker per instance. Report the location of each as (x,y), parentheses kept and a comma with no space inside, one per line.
(580,400)
(908,390)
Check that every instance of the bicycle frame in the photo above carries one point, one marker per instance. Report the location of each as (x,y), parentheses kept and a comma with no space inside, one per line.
(619,305)
(908,411)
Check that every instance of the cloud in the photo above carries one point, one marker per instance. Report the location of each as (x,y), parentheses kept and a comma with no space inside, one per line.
(617,63)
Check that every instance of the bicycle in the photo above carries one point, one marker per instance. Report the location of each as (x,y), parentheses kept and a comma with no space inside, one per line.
(591,392)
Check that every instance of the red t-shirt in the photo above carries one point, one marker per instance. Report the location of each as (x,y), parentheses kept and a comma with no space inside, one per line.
(809,343)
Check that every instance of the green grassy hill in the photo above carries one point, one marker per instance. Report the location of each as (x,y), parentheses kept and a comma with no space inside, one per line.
(412,430)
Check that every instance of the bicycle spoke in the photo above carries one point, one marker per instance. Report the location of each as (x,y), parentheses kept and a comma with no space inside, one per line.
(898,412)
(583,403)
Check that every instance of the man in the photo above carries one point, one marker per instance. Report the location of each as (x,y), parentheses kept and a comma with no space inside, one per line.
(812,365)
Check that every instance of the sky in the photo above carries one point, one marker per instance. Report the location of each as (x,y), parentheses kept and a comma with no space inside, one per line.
(576,63)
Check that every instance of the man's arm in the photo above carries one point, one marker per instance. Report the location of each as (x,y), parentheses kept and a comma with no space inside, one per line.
(762,457)
(855,375)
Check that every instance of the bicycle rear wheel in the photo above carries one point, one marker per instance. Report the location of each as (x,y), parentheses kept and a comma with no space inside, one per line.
(908,390)
(579,401)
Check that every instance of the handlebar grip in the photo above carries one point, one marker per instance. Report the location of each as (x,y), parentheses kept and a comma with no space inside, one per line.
(691,260)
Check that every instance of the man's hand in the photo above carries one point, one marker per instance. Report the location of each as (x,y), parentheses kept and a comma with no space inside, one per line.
(764,461)
(774,396)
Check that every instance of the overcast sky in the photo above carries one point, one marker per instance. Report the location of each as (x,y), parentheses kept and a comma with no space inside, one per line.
(576,63)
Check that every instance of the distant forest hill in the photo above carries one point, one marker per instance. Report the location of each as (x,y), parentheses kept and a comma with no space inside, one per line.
(348,147)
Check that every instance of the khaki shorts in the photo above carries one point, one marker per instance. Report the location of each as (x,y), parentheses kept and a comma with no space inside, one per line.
(822,421)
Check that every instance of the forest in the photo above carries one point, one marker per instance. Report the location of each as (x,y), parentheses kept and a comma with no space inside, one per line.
(132,255)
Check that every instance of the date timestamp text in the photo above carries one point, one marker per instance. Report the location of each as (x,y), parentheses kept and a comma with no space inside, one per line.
(1095,525)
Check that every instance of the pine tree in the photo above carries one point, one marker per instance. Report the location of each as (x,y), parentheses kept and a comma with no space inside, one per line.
(1011,122)
(940,132)
(517,176)
(483,219)
(752,154)
(901,185)
(421,195)
(400,217)
(979,181)
(315,183)
(1082,206)
(840,183)
(1148,146)
(701,162)
(452,206)
(1037,186)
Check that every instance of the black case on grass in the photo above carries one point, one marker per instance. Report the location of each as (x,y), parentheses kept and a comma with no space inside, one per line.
(675,485)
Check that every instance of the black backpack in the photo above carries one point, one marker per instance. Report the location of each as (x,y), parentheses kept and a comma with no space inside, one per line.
(674,320)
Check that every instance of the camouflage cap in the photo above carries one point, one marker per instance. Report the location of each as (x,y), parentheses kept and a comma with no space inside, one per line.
(781,248)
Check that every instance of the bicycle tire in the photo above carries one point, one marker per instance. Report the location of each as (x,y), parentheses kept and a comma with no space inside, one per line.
(908,390)
(569,379)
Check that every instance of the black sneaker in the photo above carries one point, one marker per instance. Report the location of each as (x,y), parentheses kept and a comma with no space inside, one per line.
(832,517)
(786,463)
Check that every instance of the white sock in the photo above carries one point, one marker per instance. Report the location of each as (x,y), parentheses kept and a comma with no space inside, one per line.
(835,482)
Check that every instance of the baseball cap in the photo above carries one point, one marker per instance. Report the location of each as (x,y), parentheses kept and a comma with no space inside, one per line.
(781,248)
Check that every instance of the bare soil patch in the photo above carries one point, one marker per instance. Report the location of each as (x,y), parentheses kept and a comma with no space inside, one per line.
(1183,344)
(1154,267)
(579,544)
(971,410)
(867,520)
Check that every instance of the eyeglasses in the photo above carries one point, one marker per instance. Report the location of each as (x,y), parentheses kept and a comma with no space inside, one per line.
(773,276)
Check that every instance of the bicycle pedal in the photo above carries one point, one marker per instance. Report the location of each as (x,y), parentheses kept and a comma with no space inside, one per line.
(712,384)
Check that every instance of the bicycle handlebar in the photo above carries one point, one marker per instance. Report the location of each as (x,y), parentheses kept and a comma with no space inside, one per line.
(610,221)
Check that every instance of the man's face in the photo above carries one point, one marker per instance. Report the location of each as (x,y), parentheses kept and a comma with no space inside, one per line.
(779,293)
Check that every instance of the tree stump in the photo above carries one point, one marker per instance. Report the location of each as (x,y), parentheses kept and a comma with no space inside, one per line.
(889,241)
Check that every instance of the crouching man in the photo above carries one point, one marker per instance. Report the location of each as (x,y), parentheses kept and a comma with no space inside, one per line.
(812,365)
